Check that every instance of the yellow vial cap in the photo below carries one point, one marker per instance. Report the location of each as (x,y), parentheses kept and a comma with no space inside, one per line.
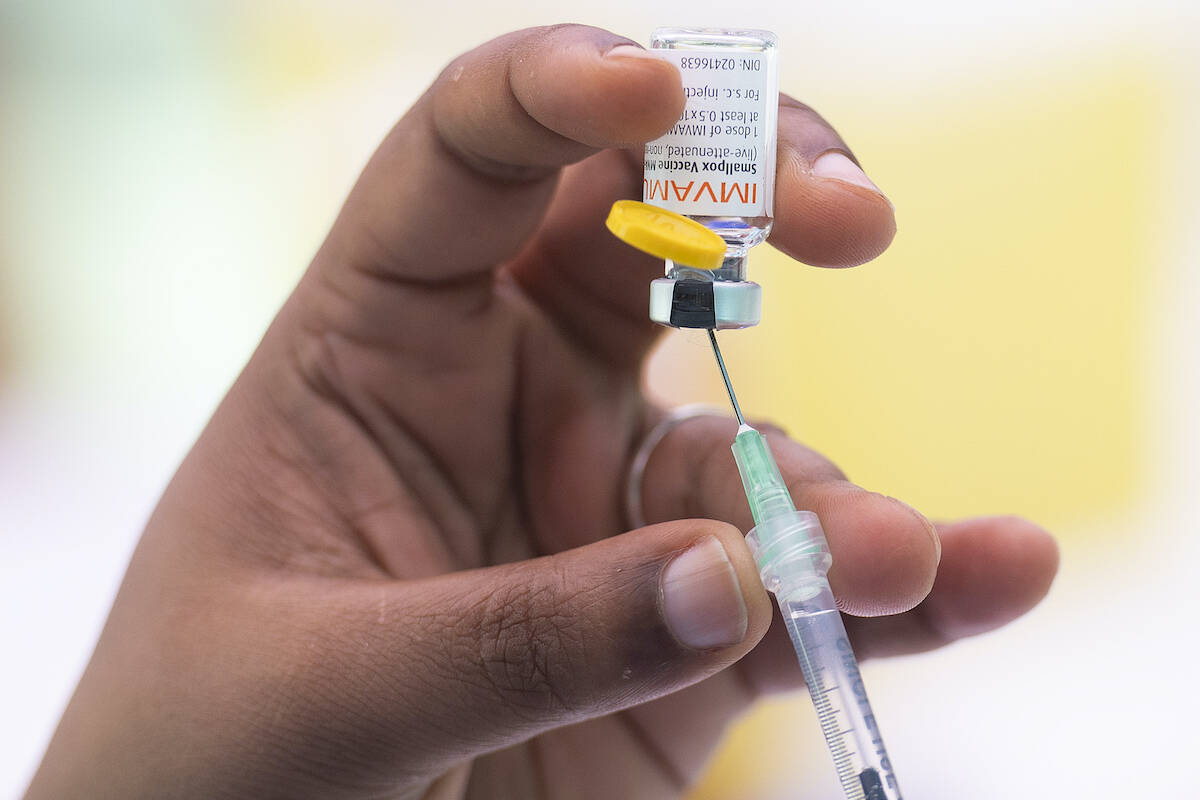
(666,234)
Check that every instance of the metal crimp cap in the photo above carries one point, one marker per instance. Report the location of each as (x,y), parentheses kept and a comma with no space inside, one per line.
(686,303)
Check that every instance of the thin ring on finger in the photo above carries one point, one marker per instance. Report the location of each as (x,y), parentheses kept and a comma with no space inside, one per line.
(634,514)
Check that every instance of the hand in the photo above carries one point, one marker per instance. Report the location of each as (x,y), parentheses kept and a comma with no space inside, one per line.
(391,567)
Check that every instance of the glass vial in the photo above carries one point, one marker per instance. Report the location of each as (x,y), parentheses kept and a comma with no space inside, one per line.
(717,164)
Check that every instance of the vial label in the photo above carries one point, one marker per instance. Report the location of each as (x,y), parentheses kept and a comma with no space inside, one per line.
(711,162)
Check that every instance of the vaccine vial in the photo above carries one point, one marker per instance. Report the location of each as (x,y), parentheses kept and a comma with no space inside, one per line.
(717,166)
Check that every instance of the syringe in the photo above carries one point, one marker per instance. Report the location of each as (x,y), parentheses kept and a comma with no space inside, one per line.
(793,559)
(789,545)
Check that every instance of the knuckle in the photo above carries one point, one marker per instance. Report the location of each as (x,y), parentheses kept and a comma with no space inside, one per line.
(528,649)
(564,27)
(787,101)
(808,133)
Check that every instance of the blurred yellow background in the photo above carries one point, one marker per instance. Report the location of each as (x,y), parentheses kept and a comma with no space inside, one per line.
(1028,344)
(969,367)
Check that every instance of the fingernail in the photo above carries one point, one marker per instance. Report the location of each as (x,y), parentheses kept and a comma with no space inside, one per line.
(701,597)
(837,165)
(630,51)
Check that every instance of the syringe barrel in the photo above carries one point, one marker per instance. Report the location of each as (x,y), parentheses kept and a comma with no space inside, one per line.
(839,696)
(794,568)
(793,559)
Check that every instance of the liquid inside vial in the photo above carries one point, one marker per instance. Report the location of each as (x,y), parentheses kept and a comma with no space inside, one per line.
(717,164)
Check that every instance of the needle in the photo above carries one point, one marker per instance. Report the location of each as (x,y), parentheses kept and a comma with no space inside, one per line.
(712,337)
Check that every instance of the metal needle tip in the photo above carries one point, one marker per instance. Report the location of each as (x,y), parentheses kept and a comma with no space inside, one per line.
(712,337)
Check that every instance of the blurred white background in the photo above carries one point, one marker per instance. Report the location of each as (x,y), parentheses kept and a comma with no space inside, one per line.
(167,171)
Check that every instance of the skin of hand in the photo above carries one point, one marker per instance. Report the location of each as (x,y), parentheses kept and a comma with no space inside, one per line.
(393,564)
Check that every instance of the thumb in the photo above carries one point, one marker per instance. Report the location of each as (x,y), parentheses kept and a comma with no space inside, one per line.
(438,670)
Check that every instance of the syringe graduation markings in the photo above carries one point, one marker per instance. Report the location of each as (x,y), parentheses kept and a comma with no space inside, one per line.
(793,557)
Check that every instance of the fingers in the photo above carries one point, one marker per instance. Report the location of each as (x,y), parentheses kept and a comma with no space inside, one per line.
(885,554)
(595,286)
(464,177)
(827,213)
(993,570)
(470,662)
(905,588)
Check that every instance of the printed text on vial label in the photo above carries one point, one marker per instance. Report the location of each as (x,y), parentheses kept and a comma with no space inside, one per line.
(710,162)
